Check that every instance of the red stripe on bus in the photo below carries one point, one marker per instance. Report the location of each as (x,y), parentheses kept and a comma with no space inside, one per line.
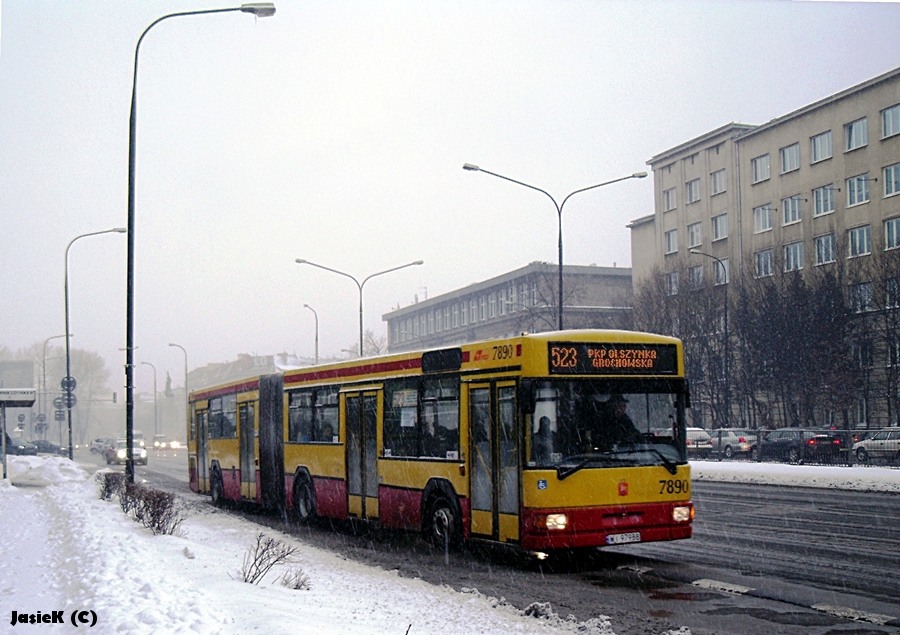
(350,371)
(208,394)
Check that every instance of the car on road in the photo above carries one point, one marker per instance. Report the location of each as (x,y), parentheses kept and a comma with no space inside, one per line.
(48,447)
(100,444)
(884,444)
(20,446)
(118,453)
(795,445)
(699,443)
(162,442)
(732,442)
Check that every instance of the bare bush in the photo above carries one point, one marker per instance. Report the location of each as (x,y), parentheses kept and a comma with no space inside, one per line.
(260,558)
(296,579)
(111,484)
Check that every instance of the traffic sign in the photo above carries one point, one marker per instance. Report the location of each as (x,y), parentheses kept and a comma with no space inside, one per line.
(68,383)
(60,415)
(69,400)
(58,403)
(21,418)
(41,418)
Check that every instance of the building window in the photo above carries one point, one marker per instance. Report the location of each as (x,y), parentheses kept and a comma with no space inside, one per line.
(823,200)
(856,134)
(669,200)
(501,306)
(858,190)
(861,297)
(446,318)
(765,263)
(695,275)
(692,191)
(762,218)
(717,182)
(492,305)
(695,234)
(862,353)
(793,256)
(672,283)
(821,147)
(473,311)
(534,294)
(424,320)
(456,316)
(482,308)
(892,297)
(722,271)
(825,251)
(431,324)
(891,179)
(790,158)
(523,294)
(672,241)
(860,241)
(792,210)
(761,168)
(720,226)
(463,314)
(890,121)
(891,233)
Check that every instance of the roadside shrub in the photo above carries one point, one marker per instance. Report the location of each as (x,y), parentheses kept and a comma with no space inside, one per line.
(156,510)
(296,579)
(260,558)
(111,484)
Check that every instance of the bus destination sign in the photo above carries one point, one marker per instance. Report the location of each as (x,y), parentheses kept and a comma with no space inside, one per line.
(579,358)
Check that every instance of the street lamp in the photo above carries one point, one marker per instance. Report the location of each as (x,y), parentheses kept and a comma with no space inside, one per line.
(317,331)
(69,381)
(187,403)
(155,422)
(260,10)
(359,284)
(725,317)
(559,209)
(44,367)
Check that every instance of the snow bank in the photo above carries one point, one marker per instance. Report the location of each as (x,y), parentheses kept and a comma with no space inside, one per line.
(859,478)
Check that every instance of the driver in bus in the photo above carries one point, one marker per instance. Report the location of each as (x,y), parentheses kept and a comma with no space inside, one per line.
(616,427)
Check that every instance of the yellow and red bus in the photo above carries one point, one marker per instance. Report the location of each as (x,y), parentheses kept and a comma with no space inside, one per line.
(548,441)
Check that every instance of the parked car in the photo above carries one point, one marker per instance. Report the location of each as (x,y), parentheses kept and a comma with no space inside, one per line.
(48,447)
(798,444)
(100,444)
(699,443)
(732,442)
(118,454)
(884,444)
(18,445)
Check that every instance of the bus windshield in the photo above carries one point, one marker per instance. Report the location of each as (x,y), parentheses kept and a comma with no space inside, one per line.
(581,424)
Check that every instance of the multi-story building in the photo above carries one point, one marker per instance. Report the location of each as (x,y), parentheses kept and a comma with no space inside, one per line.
(800,191)
(521,300)
(813,191)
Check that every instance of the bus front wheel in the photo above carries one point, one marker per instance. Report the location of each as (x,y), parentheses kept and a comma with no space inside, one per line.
(304,502)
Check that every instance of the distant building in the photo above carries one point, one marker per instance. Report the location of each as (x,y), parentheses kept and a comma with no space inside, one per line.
(522,300)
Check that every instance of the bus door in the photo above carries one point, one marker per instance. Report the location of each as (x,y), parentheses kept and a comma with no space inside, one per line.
(247,431)
(494,461)
(361,421)
(201,414)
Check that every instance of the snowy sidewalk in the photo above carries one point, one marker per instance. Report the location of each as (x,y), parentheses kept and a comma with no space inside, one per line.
(66,550)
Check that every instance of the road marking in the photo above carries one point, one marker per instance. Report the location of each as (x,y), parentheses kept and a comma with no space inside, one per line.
(635,568)
(716,585)
(854,614)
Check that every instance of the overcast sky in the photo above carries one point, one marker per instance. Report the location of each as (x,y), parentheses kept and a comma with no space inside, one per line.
(336,132)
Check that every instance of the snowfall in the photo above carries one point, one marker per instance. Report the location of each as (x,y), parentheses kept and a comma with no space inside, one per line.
(65,550)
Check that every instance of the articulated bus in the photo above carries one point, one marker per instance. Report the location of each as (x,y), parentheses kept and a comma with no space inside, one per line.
(549,441)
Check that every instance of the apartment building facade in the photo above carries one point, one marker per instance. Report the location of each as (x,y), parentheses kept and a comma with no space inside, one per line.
(520,300)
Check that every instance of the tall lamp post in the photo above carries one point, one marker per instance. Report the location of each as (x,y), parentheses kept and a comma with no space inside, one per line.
(155,420)
(187,403)
(317,331)
(260,10)
(69,382)
(359,284)
(559,210)
(721,264)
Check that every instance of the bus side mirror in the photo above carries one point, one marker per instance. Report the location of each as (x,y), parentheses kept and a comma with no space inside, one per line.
(526,396)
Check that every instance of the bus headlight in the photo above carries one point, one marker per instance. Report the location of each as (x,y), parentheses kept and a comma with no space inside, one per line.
(557,521)
(682,513)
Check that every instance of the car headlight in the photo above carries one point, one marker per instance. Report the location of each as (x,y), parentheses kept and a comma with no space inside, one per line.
(683,513)
(143,454)
(121,453)
(554,521)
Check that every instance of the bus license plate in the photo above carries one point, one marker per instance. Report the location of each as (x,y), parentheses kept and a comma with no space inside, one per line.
(620,539)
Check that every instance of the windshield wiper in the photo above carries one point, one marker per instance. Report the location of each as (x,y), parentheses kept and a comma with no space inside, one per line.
(563,473)
(667,462)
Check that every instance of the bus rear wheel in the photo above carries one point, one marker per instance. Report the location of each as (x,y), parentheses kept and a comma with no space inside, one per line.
(216,488)
(442,523)
(304,501)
